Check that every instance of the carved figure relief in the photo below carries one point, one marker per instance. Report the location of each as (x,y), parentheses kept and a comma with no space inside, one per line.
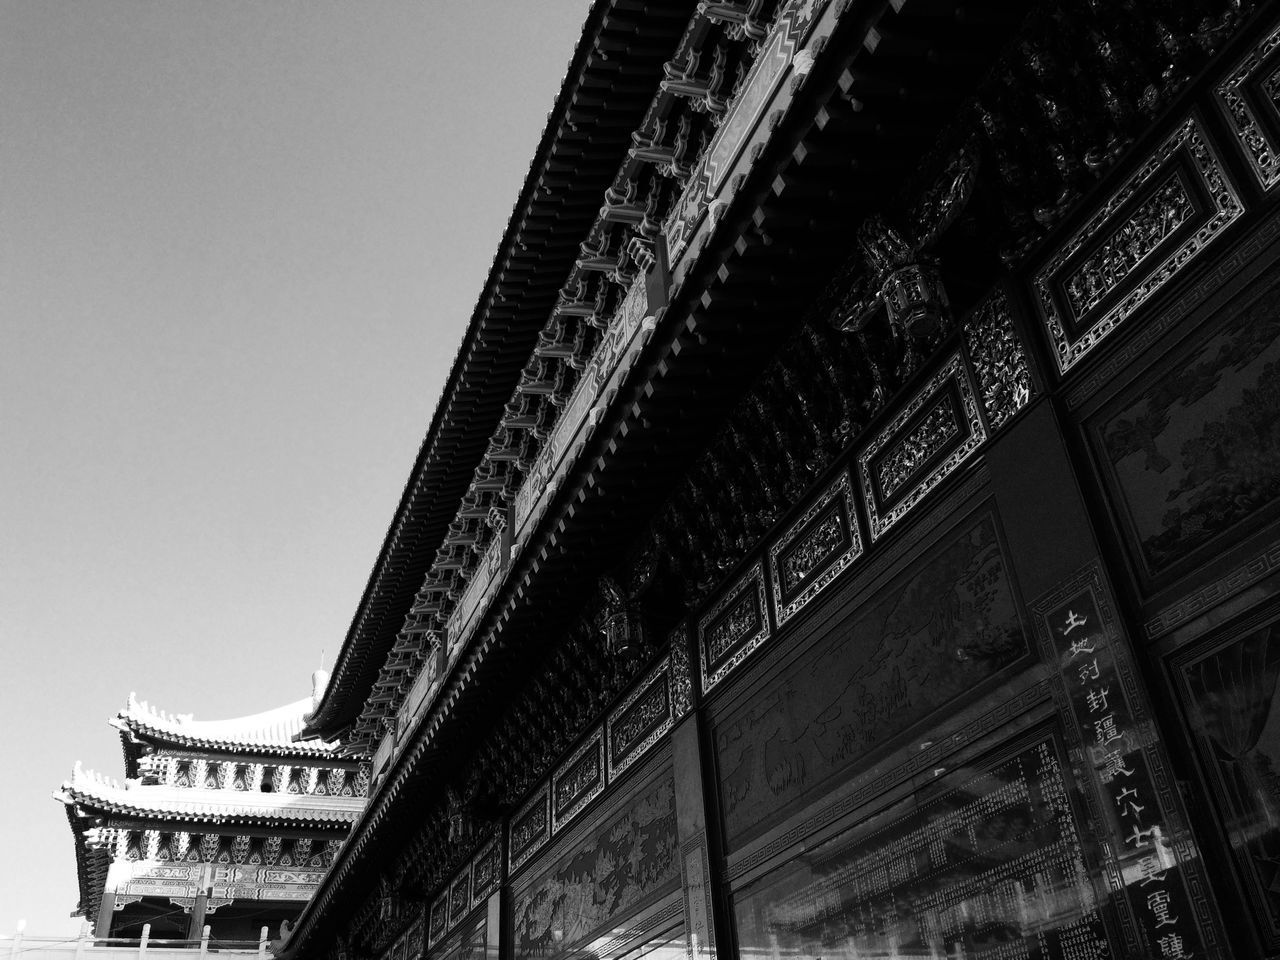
(1197,452)
(625,862)
(928,637)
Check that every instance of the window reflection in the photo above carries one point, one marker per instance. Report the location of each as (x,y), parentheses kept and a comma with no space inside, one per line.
(991,868)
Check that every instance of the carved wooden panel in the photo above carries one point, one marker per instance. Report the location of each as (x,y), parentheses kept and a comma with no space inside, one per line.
(530,828)
(578,781)
(1250,96)
(735,625)
(1191,452)
(989,864)
(620,864)
(999,359)
(926,638)
(640,720)
(818,546)
(1227,689)
(486,872)
(1162,217)
(438,920)
(460,897)
(933,434)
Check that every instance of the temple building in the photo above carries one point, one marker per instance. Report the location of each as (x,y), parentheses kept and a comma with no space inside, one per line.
(850,526)
(229,824)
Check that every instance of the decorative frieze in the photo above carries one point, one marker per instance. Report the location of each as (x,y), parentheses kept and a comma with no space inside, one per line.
(1160,219)
(935,432)
(999,359)
(641,720)
(530,828)
(578,781)
(818,546)
(735,625)
(1250,96)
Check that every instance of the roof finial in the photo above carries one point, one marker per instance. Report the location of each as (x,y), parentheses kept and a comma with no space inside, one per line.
(319,680)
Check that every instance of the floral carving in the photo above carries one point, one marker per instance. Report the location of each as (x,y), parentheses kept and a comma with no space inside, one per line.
(912,451)
(998,358)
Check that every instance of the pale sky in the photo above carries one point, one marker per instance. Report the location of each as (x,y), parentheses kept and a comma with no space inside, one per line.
(239,244)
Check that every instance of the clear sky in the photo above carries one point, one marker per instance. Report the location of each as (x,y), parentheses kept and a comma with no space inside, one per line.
(239,244)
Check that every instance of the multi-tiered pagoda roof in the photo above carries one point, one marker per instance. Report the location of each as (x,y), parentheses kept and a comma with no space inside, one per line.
(211,814)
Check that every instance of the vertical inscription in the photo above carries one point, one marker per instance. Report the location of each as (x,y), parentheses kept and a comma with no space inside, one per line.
(1150,861)
(700,941)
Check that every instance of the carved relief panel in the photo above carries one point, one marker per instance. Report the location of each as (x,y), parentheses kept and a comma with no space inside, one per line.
(624,858)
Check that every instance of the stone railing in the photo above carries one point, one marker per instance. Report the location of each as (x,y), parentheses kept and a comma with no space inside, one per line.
(86,946)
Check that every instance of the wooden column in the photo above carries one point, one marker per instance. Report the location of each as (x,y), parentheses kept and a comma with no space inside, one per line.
(105,910)
(201,905)
(493,937)
(695,853)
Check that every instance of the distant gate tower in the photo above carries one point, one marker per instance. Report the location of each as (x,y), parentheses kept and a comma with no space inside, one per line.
(228,823)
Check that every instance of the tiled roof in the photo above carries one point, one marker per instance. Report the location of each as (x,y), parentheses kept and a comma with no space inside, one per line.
(92,790)
(269,732)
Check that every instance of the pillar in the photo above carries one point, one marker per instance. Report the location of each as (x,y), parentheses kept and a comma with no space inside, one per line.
(695,853)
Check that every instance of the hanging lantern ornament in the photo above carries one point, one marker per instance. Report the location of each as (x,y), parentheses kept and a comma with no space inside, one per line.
(915,300)
(619,622)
